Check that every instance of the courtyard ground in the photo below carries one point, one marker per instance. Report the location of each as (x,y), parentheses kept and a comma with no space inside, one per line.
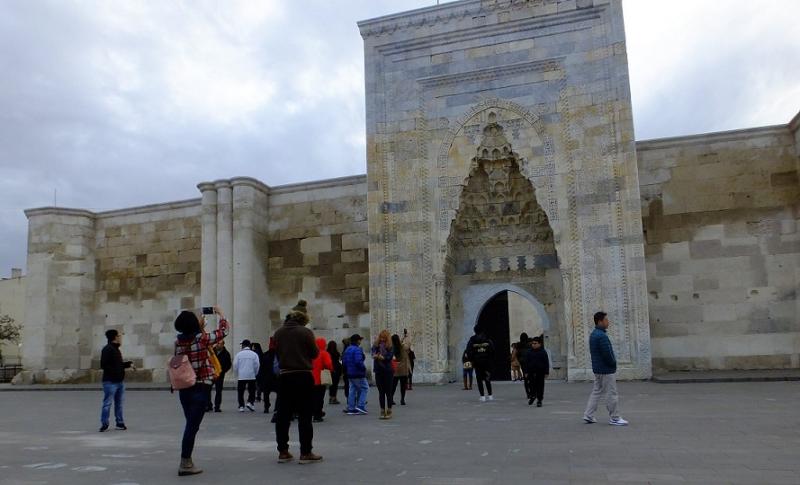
(679,433)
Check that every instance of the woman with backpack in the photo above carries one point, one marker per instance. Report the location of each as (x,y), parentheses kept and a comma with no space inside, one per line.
(194,343)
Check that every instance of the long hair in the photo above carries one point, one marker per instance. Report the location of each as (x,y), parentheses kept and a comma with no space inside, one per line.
(384,336)
(333,350)
(398,346)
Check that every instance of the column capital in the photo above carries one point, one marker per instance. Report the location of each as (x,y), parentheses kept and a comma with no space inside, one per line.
(206,186)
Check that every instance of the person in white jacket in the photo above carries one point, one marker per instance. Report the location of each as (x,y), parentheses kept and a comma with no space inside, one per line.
(245,364)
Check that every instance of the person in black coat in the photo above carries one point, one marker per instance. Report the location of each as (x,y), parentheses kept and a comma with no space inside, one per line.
(537,368)
(224,358)
(480,350)
(113,374)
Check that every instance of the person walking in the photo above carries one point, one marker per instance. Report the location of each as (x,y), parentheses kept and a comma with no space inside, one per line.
(411,358)
(336,375)
(353,362)
(604,366)
(382,354)
(345,381)
(246,365)
(194,342)
(224,358)
(480,351)
(269,375)
(537,368)
(322,362)
(468,371)
(256,347)
(401,369)
(113,376)
(296,349)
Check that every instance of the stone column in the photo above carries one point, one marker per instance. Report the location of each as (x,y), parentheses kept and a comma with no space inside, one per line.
(208,262)
(225,253)
(60,292)
(243,201)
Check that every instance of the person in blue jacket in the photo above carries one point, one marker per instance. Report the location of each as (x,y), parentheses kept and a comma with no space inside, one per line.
(353,362)
(604,366)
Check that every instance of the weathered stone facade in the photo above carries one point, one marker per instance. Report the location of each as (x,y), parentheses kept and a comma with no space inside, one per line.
(500,157)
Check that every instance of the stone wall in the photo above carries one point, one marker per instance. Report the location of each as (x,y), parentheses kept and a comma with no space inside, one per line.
(317,251)
(720,213)
(147,269)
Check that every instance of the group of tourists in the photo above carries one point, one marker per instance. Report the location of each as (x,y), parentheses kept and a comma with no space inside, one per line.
(300,368)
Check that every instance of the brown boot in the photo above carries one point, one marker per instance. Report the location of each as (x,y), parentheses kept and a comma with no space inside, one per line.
(389,413)
(188,468)
(284,457)
(383,414)
(310,458)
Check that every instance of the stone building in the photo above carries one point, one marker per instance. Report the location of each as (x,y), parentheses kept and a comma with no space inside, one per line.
(504,187)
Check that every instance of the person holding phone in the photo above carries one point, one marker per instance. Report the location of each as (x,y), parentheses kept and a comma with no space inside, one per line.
(194,342)
(113,374)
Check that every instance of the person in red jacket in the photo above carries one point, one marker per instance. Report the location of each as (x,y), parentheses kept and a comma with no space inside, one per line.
(323,361)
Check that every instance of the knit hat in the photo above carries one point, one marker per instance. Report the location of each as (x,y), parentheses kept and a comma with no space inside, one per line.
(300,312)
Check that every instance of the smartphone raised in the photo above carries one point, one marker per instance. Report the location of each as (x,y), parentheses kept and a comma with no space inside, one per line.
(208,310)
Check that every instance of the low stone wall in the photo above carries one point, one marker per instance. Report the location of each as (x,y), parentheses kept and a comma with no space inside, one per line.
(720,214)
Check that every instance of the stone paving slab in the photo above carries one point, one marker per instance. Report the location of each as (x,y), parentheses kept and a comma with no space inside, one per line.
(768,375)
(699,433)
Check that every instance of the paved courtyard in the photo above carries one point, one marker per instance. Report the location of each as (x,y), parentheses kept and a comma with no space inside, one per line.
(679,433)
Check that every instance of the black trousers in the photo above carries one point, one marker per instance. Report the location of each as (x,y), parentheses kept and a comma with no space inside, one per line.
(193,400)
(483,376)
(535,382)
(383,380)
(334,387)
(319,401)
(295,395)
(403,380)
(251,391)
(217,388)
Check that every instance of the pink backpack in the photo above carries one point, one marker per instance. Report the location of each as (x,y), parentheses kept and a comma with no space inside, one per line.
(180,372)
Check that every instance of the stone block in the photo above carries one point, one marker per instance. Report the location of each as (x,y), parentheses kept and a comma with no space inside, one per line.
(353,256)
(315,244)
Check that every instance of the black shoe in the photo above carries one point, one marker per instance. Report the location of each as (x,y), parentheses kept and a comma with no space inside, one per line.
(538,404)
(318,420)
(274,418)
(530,401)
(103,428)
(121,426)
(217,410)
(402,403)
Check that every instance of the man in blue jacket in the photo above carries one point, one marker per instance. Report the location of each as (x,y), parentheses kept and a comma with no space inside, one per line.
(353,362)
(604,366)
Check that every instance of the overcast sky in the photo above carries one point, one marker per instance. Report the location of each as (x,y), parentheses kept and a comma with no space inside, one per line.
(123,103)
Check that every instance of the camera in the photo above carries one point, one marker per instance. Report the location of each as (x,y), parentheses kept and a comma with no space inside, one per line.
(208,310)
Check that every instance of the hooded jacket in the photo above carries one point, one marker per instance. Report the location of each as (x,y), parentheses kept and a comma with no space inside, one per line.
(322,361)
(480,350)
(353,362)
(537,361)
(295,345)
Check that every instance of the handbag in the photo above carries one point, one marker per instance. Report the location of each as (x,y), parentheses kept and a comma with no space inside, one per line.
(325,378)
(180,372)
(468,365)
(214,361)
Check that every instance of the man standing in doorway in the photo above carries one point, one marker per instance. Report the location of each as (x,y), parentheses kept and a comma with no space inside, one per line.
(113,374)
(604,366)
(246,366)
(296,350)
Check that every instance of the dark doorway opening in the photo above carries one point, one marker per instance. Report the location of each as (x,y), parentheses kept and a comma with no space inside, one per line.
(494,321)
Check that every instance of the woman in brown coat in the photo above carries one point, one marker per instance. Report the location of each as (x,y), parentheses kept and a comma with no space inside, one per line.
(401,349)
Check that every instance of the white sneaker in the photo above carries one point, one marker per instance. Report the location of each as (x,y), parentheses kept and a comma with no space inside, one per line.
(491,398)
(241,409)
(618,421)
(483,398)
(589,419)
(250,407)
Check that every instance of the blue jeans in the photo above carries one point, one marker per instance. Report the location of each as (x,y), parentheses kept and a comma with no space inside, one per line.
(193,401)
(358,393)
(112,391)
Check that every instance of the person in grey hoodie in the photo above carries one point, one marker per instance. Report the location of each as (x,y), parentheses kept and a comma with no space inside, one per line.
(246,365)
(604,366)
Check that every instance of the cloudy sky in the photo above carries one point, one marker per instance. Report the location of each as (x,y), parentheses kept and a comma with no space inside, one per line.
(123,103)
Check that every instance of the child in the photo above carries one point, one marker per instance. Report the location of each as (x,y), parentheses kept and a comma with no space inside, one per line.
(468,370)
(516,372)
(537,367)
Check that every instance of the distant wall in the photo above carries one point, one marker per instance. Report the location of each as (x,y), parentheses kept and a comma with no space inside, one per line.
(720,214)
(318,252)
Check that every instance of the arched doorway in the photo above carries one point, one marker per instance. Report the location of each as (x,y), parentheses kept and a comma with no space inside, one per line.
(501,241)
(493,320)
